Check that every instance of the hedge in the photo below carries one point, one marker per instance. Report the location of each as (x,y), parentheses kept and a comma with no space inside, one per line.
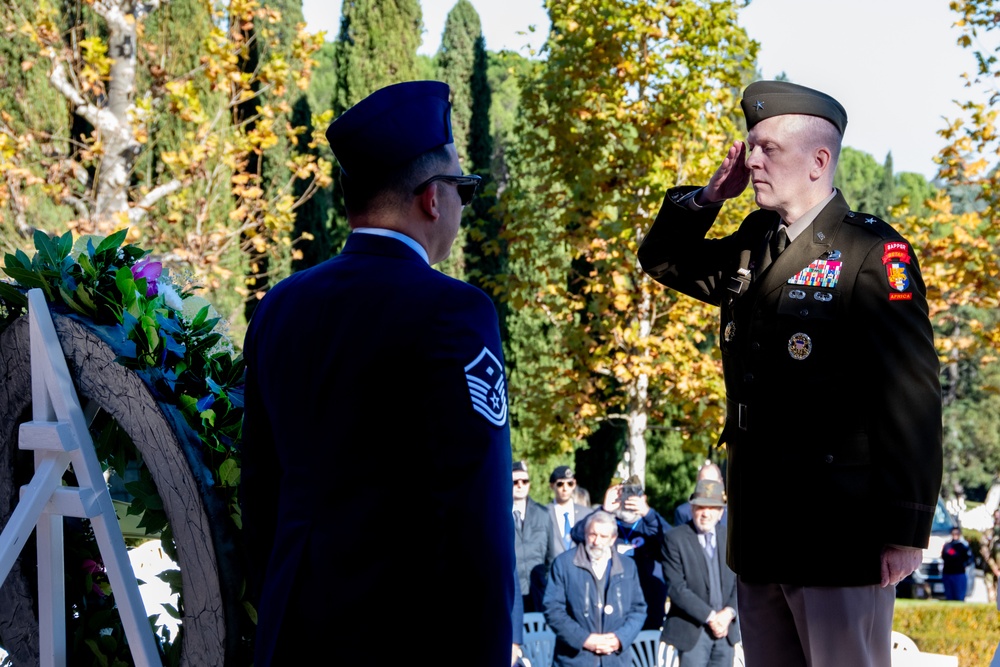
(964,629)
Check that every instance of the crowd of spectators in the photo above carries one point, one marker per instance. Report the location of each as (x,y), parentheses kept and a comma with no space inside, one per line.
(600,573)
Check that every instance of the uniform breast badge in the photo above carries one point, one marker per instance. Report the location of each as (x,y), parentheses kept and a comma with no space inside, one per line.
(800,346)
(487,387)
(896,258)
(819,273)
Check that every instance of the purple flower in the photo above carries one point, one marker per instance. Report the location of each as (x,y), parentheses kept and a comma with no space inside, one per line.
(150,271)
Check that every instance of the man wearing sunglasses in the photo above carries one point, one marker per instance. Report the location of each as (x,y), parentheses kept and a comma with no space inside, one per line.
(532,540)
(375,359)
(564,512)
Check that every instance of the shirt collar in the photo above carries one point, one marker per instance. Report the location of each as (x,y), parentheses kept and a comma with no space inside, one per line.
(393,234)
(797,227)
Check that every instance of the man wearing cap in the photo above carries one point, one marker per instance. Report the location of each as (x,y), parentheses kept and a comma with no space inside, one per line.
(701,620)
(834,406)
(563,510)
(532,540)
(374,370)
(683,513)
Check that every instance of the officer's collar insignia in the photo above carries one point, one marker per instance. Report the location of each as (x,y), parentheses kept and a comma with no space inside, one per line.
(851,214)
(819,273)
(820,236)
(759,105)
(487,387)
(800,346)
(869,220)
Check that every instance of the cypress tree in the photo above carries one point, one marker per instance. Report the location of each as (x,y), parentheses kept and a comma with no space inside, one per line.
(376,46)
(456,61)
(485,250)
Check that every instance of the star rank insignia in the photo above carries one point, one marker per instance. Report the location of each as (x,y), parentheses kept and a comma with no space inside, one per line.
(487,387)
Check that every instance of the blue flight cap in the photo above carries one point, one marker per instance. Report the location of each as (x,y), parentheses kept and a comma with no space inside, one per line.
(390,127)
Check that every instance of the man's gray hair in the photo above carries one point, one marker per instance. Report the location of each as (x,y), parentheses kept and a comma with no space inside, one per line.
(600,516)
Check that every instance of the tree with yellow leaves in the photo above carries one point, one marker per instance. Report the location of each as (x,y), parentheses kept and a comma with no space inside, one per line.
(99,57)
(635,96)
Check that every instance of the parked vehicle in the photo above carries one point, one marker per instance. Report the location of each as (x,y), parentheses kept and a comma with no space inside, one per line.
(927,581)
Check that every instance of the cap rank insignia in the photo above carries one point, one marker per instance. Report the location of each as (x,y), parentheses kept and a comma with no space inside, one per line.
(487,387)
(896,258)
(819,273)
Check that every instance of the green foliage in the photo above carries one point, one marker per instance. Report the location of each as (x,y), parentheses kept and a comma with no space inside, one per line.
(966,630)
(456,61)
(862,180)
(171,339)
(633,97)
(377,46)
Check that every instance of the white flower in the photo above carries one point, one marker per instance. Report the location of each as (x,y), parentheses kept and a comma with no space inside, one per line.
(170,296)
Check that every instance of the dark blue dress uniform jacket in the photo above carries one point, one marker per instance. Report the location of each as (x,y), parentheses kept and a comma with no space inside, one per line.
(834,405)
(372,482)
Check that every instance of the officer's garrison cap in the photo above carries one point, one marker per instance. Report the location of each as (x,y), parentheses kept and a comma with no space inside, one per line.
(764,99)
(390,127)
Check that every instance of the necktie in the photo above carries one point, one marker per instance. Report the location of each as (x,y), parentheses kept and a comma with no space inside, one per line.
(567,538)
(780,240)
(710,544)
(776,243)
(517,518)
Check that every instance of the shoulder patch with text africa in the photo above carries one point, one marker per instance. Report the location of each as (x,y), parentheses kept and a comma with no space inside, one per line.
(896,259)
(487,387)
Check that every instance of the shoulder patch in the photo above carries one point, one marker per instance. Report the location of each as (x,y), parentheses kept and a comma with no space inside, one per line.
(487,387)
(896,259)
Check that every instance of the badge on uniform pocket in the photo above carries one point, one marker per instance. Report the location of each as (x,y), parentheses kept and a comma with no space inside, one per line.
(800,346)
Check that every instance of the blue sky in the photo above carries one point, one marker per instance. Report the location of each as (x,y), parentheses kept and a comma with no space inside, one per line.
(893,64)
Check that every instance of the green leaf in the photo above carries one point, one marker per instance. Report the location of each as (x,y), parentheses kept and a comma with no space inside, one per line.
(68,299)
(126,285)
(208,416)
(65,245)
(87,266)
(12,295)
(48,252)
(113,241)
(25,277)
(83,296)
(229,473)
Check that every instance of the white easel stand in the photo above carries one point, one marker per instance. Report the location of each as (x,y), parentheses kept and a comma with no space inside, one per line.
(59,437)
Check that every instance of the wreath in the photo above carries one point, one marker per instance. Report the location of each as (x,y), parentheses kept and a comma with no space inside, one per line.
(175,342)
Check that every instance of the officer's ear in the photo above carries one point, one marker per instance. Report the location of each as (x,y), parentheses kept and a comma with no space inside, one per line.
(429,201)
(821,161)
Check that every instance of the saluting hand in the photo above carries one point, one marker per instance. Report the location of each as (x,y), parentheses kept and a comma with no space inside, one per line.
(730,179)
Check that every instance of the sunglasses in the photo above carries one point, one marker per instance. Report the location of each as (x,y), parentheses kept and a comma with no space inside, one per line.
(561,484)
(466,185)
(521,482)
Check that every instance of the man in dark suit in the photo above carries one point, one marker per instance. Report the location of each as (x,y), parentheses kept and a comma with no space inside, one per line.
(532,540)
(683,513)
(373,370)
(563,510)
(831,380)
(702,589)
